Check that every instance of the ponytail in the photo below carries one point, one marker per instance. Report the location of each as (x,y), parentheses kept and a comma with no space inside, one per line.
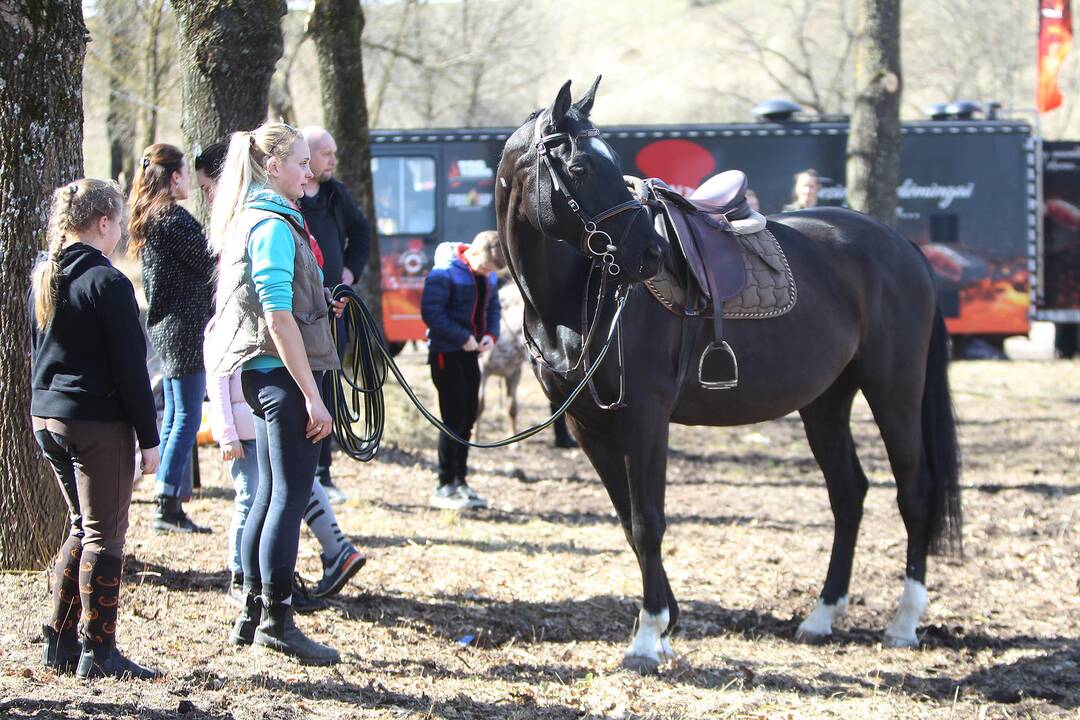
(245,164)
(75,208)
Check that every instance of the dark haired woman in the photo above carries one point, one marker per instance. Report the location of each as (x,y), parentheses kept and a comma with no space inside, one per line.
(177,271)
(208,165)
(90,398)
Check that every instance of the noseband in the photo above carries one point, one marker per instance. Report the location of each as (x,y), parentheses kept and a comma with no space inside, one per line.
(595,243)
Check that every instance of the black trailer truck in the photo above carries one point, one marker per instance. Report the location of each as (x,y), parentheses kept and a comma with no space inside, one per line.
(967,197)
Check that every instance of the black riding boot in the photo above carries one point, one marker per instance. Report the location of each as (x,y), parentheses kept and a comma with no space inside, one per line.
(243,631)
(104,660)
(277,631)
(172,518)
(62,649)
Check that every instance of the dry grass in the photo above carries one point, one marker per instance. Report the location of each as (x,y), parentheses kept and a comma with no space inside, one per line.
(547,587)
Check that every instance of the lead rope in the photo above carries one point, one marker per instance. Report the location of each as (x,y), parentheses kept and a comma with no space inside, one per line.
(357,388)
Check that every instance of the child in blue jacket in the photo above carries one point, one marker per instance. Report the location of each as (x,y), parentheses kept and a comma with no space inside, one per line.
(460,306)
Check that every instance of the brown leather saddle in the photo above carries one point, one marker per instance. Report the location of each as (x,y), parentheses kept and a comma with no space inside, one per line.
(703,230)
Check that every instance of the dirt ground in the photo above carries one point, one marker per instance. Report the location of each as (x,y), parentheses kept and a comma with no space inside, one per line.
(524,610)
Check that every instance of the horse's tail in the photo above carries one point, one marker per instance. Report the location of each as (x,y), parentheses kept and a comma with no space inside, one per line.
(940,446)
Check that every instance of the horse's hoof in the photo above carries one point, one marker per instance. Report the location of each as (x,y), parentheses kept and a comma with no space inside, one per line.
(665,652)
(810,637)
(641,664)
(895,641)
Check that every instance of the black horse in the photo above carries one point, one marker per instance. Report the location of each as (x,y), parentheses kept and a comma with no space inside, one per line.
(866,319)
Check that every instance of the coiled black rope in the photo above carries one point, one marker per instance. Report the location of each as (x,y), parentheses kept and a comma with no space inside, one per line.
(359,409)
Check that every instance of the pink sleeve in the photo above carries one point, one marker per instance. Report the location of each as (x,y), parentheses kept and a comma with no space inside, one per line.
(221,416)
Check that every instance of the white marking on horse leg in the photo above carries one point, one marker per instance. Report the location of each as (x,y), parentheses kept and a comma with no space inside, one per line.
(819,622)
(913,601)
(664,650)
(649,632)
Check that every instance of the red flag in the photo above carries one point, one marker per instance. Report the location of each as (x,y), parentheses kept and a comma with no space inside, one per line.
(1055,39)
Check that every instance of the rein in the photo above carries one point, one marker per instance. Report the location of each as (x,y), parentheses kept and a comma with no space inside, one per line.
(358,387)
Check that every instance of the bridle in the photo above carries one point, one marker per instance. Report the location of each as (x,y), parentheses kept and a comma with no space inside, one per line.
(597,245)
(605,253)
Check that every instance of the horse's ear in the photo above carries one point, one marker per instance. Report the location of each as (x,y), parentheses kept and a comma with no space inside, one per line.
(558,109)
(584,104)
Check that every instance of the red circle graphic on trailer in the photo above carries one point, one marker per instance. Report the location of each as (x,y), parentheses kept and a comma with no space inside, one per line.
(682,164)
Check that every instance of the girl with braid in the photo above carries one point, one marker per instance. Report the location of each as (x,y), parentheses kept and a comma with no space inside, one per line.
(90,399)
(272,324)
(177,271)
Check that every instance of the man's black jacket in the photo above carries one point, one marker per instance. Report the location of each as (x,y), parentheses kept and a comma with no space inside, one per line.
(340,228)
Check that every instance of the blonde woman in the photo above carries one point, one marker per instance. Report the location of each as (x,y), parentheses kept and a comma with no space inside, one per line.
(176,269)
(272,323)
(90,399)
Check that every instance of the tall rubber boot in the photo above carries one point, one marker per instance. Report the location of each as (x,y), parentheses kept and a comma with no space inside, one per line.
(105,660)
(99,586)
(62,649)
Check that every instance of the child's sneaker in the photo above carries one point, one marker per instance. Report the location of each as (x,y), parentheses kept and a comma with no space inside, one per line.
(475,502)
(303,601)
(450,497)
(338,571)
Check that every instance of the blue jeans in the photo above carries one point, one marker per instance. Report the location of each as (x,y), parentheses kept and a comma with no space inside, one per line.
(286,471)
(183,414)
(245,474)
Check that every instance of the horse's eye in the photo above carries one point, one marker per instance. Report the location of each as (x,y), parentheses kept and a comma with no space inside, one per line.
(577,170)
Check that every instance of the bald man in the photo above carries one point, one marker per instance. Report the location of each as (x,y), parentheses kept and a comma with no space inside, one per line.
(344,235)
(342,231)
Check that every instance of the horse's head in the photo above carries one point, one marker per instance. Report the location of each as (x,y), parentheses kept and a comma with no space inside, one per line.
(559,175)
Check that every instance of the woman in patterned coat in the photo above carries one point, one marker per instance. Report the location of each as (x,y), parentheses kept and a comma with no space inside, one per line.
(177,271)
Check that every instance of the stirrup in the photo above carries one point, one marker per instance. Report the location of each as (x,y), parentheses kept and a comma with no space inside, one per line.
(718,384)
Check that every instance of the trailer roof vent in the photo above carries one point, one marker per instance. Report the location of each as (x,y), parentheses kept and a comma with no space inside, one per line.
(776,110)
(962,109)
(937,111)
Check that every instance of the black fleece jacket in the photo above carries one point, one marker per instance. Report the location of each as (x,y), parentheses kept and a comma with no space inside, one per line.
(340,228)
(90,362)
(177,273)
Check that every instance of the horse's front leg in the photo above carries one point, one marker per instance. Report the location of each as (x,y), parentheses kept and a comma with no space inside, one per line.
(609,451)
(645,443)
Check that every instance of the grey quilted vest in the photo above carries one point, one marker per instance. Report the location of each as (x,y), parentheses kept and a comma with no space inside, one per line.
(238,331)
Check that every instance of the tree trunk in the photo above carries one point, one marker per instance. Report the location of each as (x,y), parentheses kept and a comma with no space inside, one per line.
(336,27)
(152,71)
(41,120)
(227,51)
(121,119)
(873,150)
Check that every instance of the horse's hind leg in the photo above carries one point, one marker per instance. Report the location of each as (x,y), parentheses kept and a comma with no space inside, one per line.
(897,410)
(827,421)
